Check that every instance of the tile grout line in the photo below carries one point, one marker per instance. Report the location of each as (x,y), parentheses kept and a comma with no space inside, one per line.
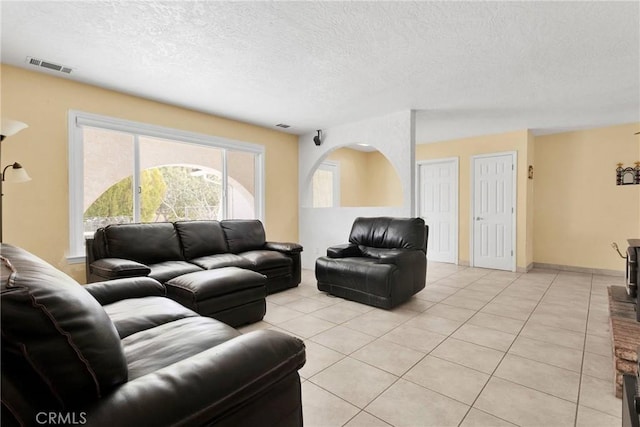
(575,419)
(398,378)
(549,287)
(428,353)
(411,367)
(507,351)
(368,413)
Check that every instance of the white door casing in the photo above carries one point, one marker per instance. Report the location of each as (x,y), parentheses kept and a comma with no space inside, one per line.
(493,201)
(438,206)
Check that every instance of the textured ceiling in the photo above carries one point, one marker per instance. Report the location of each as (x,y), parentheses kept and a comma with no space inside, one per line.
(469,68)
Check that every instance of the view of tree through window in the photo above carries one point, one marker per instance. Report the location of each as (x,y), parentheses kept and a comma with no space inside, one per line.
(189,194)
(168,193)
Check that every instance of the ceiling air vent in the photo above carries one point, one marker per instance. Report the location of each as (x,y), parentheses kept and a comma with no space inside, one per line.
(283,126)
(48,65)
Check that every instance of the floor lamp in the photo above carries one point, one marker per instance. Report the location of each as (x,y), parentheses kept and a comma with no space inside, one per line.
(15,172)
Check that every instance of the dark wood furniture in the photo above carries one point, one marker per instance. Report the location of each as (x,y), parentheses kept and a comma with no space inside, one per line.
(625,331)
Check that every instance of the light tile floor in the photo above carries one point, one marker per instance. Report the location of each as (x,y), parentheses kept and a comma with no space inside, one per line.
(475,348)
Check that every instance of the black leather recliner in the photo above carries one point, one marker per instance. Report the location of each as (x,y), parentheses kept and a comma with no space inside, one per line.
(383,264)
(118,353)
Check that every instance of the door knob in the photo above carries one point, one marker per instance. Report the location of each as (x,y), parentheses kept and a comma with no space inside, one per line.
(479,218)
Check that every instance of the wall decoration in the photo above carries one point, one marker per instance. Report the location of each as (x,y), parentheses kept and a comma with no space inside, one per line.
(629,175)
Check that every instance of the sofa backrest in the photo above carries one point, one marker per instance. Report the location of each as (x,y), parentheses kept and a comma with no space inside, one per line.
(389,233)
(147,243)
(243,234)
(58,344)
(201,238)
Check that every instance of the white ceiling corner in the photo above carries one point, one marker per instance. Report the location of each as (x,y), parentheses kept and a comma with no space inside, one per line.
(468,68)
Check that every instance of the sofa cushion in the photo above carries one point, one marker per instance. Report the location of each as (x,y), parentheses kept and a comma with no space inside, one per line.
(264,260)
(164,271)
(220,261)
(201,238)
(46,316)
(243,234)
(139,314)
(148,243)
(150,350)
(207,284)
(386,232)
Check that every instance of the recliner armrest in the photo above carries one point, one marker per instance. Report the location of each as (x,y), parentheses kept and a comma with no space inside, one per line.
(343,251)
(200,390)
(117,268)
(288,248)
(111,291)
(400,256)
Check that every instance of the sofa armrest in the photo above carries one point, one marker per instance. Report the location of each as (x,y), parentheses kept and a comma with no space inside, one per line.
(205,388)
(285,247)
(119,289)
(343,251)
(117,268)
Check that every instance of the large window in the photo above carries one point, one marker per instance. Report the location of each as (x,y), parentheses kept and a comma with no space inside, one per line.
(124,172)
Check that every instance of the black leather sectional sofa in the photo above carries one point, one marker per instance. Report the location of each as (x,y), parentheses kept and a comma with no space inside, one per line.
(118,353)
(167,250)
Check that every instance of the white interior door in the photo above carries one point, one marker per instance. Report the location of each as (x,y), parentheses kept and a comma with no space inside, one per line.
(438,206)
(494,211)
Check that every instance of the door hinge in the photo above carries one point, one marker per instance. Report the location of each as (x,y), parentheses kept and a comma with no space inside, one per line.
(512,167)
(511,210)
(511,253)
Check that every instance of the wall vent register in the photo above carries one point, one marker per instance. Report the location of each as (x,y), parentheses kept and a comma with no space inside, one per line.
(48,65)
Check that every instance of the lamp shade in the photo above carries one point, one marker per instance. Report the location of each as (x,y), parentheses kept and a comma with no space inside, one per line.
(10,127)
(17,174)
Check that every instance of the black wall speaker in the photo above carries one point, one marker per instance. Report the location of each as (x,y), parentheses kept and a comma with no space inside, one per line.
(318,138)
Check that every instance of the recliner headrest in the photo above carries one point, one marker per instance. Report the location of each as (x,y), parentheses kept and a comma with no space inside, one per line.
(389,233)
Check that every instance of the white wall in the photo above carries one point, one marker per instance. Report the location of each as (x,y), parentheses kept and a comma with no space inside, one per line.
(394,136)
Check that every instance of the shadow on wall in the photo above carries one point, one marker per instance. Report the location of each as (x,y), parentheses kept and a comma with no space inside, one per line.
(355,176)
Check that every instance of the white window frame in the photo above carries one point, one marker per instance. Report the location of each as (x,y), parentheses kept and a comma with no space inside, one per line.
(78,119)
(334,168)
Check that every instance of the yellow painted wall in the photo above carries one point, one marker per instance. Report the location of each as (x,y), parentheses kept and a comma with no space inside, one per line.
(366,179)
(353,176)
(36,213)
(579,209)
(530,200)
(464,149)
(385,188)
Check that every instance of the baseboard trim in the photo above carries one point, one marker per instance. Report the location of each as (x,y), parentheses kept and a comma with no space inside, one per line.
(526,269)
(575,269)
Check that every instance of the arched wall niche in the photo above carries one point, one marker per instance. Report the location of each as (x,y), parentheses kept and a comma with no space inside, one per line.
(354,175)
(393,136)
